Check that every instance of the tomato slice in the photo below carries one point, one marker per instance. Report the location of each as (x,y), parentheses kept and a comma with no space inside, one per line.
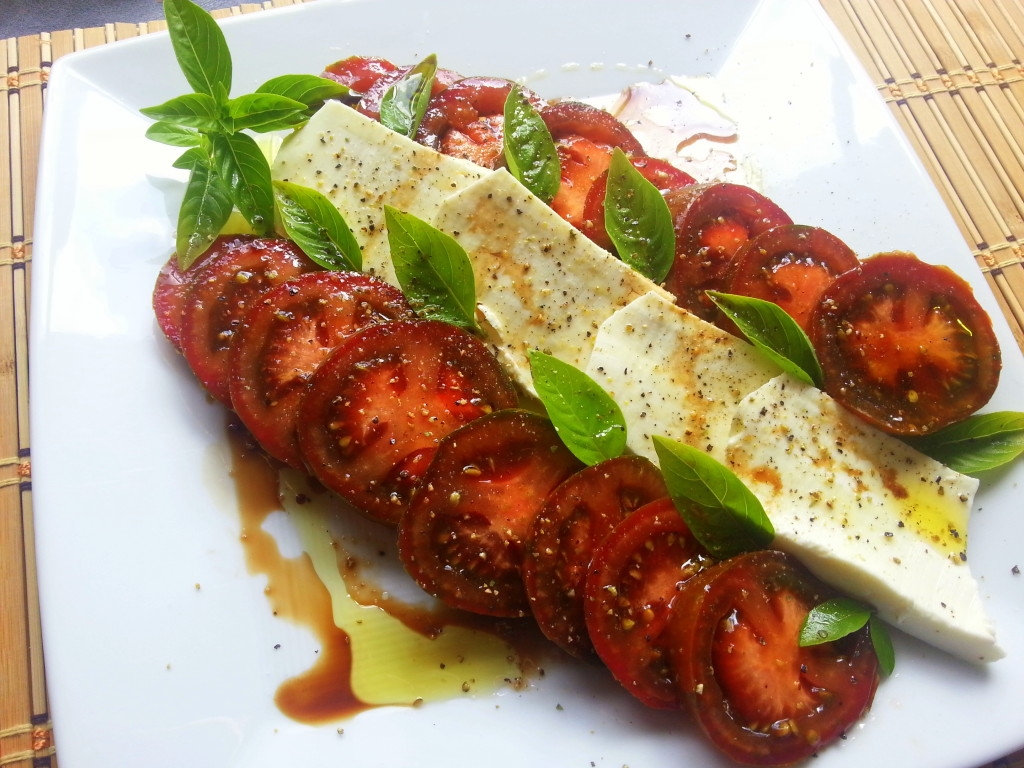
(759,696)
(711,222)
(634,577)
(378,406)
(239,269)
(905,345)
(660,173)
(584,137)
(285,337)
(577,517)
(169,295)
(462,537)
(791,265)
(359,73)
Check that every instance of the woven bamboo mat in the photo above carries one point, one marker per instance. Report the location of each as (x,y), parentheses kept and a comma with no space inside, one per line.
(951,71)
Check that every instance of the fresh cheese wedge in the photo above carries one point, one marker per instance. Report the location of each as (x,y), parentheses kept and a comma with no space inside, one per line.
(361,166)
(675,375)
(540,284)
(864,512)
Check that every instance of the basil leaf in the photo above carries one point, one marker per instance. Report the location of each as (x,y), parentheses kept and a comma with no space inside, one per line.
(263,112)
(976,444)
(882,643)
(432,269)
(832,620)
(204,209)
(586,418)
(638,220)
(405,102)
(241,164)
(200,48)
(316,226)
(529,150)
(192,157)
(774,333)
(723,514)
(310,90)
(173,135)
(192,110)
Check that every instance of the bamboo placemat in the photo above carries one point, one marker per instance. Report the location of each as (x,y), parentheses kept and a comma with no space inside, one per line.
(950,70)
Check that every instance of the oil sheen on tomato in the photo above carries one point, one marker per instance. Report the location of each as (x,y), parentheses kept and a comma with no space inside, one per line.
(375,650)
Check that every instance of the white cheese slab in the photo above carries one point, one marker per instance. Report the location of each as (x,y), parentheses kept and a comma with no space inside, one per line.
(361,166)
(865,513)
(675,375)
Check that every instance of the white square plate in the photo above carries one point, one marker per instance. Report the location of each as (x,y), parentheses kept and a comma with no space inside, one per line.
(135,504)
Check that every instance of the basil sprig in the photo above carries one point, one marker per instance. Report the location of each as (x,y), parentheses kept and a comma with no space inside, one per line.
(432,268)
(404,103)
(528,148)
(638,220)
(226,168)
(835,619)
(722,513)
(976,444)
(587,419)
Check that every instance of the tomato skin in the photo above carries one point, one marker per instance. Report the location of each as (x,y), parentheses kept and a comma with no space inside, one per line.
(381,402)
(759,696)
(791,265)
(238,269)
(905,345)
(711,222)
(462,537)
(575,518)
(169,295)
(359,73)
(285,336)
(634,577)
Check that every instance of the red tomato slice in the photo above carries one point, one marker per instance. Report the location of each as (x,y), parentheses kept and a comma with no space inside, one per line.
(905,345)
(660,173)
(791,265)
(378,406)
(359,73)
(759,696)
(238,269)
(585,137)
(634,577)
(285,336)
(169,300)
(462,537)
(711,222)
(576,517)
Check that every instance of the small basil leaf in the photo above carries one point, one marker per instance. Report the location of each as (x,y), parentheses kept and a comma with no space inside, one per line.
(586,418)
(190,158)
(405,102)
(173,135)
(638,220)
(204,210)
(310,90)
(240,163)
(529,150)
(192,110)
(976,444)
(262,112)
(723,514)
(882,643)
(200,48)
(832,620)
(774,333)
(316,226)
(432,269)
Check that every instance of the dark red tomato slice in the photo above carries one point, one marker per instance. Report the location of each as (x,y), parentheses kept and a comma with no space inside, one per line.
(285,337)
(238,270)
(369,104)
(905,345)
(660,173)
(759,696)
(169,300)
(378,406)
(359,73)
(576,518)
(585,137)
(791,265)
(711,222)
(634,577)
(462,537)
